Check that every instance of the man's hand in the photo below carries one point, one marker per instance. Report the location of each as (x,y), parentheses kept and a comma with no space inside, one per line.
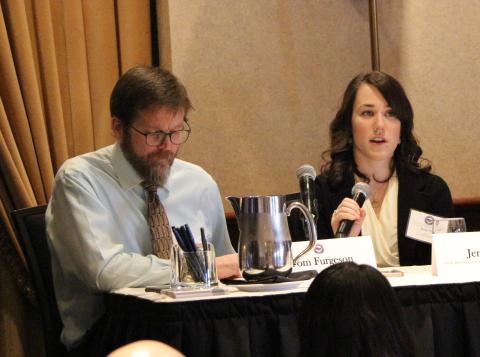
(227,266)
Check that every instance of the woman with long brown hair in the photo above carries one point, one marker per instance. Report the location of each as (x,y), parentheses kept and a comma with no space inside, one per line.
(371,140)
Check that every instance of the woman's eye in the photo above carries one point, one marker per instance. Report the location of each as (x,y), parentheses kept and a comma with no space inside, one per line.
(366,113)
(390,115)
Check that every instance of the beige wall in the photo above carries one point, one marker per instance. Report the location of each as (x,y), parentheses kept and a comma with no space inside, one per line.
(433,48)
(266,78)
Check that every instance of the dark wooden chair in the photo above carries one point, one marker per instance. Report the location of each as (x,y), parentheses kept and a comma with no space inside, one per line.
(468,208)
(31,233)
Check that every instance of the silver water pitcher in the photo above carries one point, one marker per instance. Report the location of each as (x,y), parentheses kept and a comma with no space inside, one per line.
(264,244)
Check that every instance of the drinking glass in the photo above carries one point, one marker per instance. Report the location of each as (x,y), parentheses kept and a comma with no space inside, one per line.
(193,270)
(449,225)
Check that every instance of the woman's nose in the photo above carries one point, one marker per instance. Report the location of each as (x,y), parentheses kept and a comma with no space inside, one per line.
(379,121)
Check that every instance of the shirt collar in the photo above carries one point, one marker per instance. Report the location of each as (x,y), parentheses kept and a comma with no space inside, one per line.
(127,175)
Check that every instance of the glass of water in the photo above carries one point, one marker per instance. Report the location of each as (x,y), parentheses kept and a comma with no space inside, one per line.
(449,225)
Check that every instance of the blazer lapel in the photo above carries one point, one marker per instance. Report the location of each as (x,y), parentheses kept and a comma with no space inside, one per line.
(410,196)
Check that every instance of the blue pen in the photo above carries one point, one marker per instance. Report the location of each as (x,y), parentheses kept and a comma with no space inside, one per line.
(190,237)
(186,239)
(204,240)
(184,243)
(179,239)
(205,255)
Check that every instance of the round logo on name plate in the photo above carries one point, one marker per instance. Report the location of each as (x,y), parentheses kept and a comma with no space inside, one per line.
(318,248)
(429,220)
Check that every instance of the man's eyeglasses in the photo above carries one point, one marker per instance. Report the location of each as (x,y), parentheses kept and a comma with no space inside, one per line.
(177,137)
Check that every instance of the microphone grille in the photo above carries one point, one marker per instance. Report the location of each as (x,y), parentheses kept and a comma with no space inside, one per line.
(361,187)
(306,170)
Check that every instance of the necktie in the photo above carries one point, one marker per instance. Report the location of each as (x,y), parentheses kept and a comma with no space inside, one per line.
(158,221)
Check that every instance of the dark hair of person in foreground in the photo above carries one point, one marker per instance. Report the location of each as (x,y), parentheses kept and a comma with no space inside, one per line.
(351,310)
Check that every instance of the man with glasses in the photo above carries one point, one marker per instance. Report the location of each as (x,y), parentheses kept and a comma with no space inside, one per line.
(99,222)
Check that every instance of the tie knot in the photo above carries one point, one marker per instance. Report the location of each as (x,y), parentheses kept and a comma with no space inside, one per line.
(149,187)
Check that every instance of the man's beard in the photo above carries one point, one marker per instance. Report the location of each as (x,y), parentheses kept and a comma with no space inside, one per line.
(153,168)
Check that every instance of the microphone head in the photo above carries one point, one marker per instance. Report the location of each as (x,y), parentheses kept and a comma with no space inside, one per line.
(361,187)
(306,170)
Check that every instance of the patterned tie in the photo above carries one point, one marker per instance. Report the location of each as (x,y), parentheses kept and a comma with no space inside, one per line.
(158,221)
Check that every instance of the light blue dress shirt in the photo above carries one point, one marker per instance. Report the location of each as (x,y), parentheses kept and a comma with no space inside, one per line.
(99,236)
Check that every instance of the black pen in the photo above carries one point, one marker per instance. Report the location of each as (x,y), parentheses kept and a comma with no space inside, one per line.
(205,255)
(154,289)
(184,244)
(179,239)
(189,234)
(197,267)
(186,240)
(190,237)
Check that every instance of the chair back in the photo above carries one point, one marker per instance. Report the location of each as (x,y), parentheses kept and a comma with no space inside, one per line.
(468,208)
(31,233)
(295,220)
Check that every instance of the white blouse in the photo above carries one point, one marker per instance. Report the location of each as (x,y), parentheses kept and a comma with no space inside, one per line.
(383,229)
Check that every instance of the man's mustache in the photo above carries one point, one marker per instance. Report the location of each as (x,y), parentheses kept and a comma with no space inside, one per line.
(158,156)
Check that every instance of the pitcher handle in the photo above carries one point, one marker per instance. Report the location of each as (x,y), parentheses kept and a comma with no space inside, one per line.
(312,229)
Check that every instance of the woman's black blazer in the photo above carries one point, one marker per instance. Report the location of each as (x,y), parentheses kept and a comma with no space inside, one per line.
(423,192)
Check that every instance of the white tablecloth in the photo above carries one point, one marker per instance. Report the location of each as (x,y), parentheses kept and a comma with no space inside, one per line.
(413,276)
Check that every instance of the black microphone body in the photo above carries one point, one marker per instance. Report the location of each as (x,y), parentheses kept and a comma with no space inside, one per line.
(360,193)
(307,195)
(306,177)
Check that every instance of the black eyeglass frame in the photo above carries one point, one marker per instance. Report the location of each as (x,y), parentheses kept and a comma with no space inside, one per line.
(188,130)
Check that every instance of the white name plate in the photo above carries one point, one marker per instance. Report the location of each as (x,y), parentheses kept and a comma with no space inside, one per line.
(419,226)
(456,254)
(327,252)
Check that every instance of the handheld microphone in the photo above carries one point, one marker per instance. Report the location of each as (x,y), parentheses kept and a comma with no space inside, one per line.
(306,176)
(360,193)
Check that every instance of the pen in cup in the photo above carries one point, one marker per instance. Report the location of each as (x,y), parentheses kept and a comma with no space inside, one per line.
(190,258)
(189,237)
(185,240)
(205,255)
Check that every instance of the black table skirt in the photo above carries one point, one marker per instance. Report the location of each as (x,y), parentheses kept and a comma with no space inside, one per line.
(445,320)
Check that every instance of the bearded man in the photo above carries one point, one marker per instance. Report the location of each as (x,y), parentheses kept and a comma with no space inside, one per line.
(98,225)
